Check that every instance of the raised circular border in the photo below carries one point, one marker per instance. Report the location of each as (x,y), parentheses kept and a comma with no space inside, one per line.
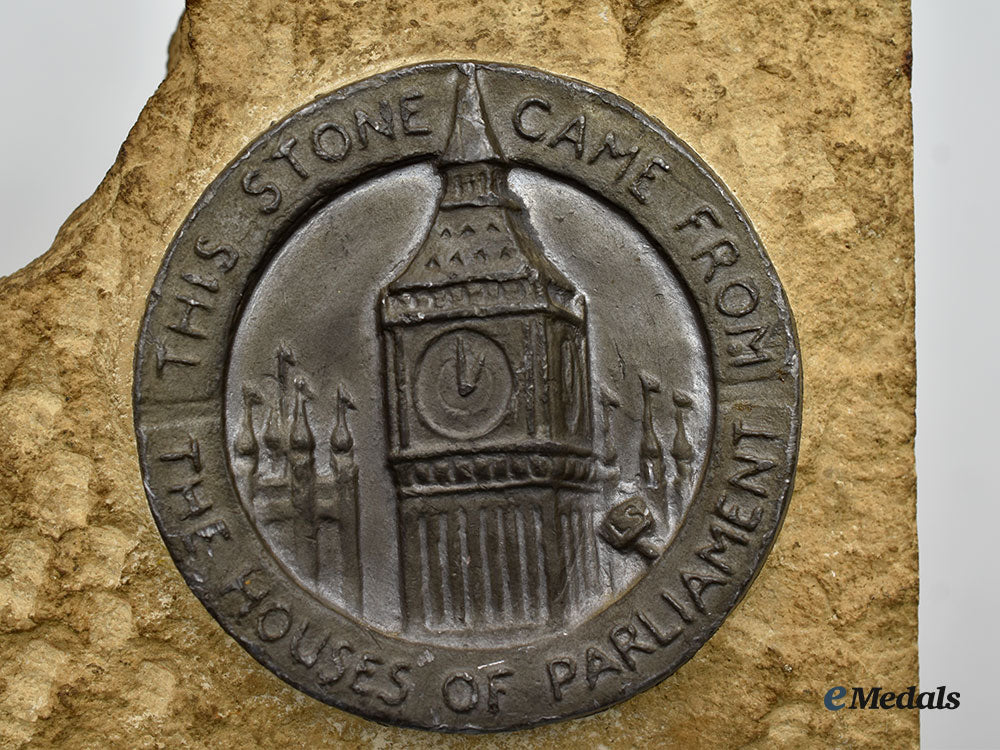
(225,245)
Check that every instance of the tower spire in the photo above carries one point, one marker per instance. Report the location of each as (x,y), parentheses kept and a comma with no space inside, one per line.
(471,138)
(480,233)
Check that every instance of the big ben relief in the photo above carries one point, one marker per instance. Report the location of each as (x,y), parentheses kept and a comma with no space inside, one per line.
(488,385)
(501,366)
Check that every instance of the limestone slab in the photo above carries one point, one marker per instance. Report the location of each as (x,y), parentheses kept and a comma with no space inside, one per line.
(801,107)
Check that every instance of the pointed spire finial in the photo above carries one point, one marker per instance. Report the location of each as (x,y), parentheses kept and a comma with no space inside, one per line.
(301,436)
(471,138)
(681,451)
(285,359)
(341,440)
(246,440)
(650,448)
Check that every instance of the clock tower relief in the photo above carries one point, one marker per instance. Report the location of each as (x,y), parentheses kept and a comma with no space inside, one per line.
(489,413)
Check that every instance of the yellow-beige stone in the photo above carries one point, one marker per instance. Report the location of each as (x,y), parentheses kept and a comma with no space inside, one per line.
(802,107)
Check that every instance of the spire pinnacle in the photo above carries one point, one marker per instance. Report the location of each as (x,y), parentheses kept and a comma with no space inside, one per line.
(246,440)
(341,440)
(471,138)
(301,436)
(650,448)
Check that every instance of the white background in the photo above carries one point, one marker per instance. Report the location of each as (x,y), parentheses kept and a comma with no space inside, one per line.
(76,75)
(956,108)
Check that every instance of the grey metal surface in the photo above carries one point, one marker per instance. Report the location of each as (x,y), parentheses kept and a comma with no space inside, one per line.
(467,399)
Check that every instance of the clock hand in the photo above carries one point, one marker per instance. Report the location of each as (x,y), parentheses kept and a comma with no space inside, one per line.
(466,386)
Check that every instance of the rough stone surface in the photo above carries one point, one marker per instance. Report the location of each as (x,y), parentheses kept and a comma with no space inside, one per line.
(803,109)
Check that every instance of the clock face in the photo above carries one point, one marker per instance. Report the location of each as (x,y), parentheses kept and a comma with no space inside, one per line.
(463,384)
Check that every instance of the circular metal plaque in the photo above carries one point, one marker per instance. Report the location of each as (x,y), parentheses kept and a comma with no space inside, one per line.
(467,399)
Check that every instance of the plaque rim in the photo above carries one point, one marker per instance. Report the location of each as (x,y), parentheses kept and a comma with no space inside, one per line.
(792,368)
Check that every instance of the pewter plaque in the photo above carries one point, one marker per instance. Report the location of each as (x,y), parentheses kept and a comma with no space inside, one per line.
(467,399)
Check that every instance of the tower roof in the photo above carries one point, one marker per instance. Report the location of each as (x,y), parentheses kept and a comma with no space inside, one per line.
(471,139)
(480,232)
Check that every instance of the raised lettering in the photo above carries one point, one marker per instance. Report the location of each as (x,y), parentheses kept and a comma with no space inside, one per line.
(661,637)
(721,541)
(737,299)
(719,255)
(206,534)
(646,175)
(402,686)
(677,606)
(364,669)
(332,667)
(730,510)
(223,255)
(460,692)
(610,147)
(184,327)
(326,150)
(518,119)
(749,351)
(268,190)
(284,151)
(696,585)
(208,283)
(408,113)
(246,586)
(382,125)
(695,220)
(755,466)
(273,623)
(191,452)
(740,431)
(494,690)
(623,638)
(598,663)
(561,673)
(165,357)
(305,654)
(573,134)
(195,504)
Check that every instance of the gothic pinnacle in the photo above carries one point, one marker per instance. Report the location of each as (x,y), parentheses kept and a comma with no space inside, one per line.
(246,442)
(301,435)
(341,440)
(471,138)
(650,448)
(681,450)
